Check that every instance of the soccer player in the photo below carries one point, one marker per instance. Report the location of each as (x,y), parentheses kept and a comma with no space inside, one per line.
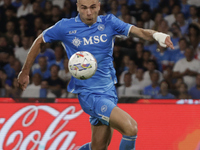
(97,95)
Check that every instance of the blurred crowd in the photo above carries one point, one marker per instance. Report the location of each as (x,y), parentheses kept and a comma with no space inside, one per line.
(144,69)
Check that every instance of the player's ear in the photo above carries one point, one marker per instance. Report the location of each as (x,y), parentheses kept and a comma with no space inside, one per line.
(99,6)
(77,7)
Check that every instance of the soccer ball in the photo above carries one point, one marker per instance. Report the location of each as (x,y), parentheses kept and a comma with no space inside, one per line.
(82,65)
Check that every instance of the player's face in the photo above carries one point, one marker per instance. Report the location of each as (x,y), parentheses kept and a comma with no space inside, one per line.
(88,10)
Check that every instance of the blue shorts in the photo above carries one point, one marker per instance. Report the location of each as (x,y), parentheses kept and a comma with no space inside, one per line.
(99,105)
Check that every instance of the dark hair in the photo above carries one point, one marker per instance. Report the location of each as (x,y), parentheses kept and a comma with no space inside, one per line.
(154,62)
(168,84)
(192,25)
(58,67)
(186,86)
(128,73)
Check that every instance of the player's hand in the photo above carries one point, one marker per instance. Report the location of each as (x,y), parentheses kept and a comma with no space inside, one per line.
(23,80)
(169,43)
(163,39)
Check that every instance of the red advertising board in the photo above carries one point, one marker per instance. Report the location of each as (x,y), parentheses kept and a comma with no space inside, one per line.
(64,126)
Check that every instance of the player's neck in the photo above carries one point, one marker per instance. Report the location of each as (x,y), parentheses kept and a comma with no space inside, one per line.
(90,24)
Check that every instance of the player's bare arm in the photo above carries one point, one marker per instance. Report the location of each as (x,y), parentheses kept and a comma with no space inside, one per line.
(151,35)
(23,77)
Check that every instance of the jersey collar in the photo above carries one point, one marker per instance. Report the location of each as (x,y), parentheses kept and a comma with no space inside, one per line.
(78,19)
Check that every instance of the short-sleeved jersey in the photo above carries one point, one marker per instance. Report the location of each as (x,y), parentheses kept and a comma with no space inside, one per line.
(98,39)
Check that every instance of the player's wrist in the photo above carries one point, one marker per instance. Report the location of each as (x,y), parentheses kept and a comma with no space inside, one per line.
(160,37)
(25,71)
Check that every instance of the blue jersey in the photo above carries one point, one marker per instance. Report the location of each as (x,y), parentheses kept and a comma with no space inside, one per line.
(176,55)
(169,95)
(149,90)
(98,39)
(163,59)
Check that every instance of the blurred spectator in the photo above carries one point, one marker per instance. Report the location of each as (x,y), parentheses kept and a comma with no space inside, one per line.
(68,10)
(17,67)
(10,30)
(167,75)
(195,91)
(102,10)
(137,8)
(6,5)
(64,74)
(183,91)
(9,67)
(138,56)
(152,89)
(22,52)
(25,9)
(162,56)
(56,14)
(152,68)
(16,3)
(194,30)
(24,29)
(54,82)
(176,35)
(193,14)
(45,92)
(47,13)
(124,64)
(33,89)
(180,20)
(14,91)
(164,91)
(128,90)
(164,10)
(187,68)
(185,8)
(46,51)
(194,42)
(59,57)
(117,59)
(38,25)
(59,3)
(5,83)
(9,16)
(194,2)
(139,79)
(148,22)
(37,13)
(172,17)
(178,54)
(43,68)
(146,57)
(124,13)
(152,3)
(114,8)
(157,20)
(16,41)
(132,67)
(178,82)
(164,27)
(5,45)
(194,33)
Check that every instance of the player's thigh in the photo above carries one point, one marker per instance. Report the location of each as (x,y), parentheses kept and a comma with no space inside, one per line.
(101,136)
(123,122)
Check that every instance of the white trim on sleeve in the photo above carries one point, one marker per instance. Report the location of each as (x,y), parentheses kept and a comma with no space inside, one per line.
(129,30)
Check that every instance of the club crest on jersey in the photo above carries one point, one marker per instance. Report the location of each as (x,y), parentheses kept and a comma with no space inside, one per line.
(76,42)
(103,108)
(101,27)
